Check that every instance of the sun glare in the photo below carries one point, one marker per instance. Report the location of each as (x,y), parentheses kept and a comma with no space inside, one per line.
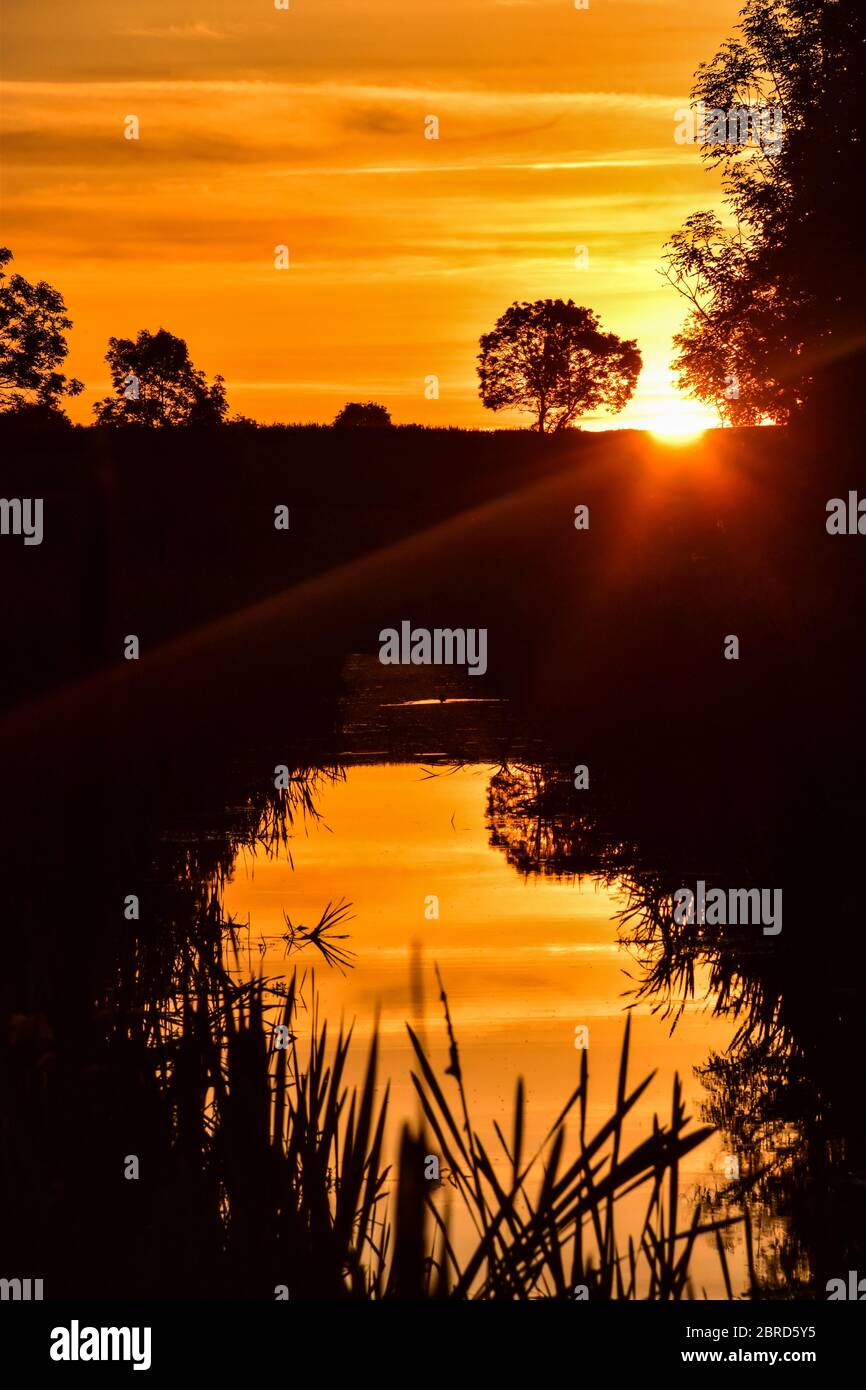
(678,422)
(677,431)
(665,413)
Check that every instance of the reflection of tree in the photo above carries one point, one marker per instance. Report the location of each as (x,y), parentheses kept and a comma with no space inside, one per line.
(259,1163)
(95,1006)
(752,1092)
(668,954)
(260,818)
(785,1093)
(532,819)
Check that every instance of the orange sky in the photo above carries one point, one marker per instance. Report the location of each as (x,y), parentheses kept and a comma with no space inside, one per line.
(305,127)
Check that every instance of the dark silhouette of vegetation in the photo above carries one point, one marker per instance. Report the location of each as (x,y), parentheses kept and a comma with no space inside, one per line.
(551,358)
(362,415)
(35,417)
(260,1167)
(150,799)
(157,385)
(778,292)
(33,327)
(785,1093)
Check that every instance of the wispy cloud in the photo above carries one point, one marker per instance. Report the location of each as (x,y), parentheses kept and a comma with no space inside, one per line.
(196,29)
(466,98)
(259,128)
(476,166)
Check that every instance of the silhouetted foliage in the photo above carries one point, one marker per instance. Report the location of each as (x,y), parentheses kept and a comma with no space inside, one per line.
(779,297)
(33,326)
(156,384)
(552,358)
(36,415)
(363,415)
(150,786)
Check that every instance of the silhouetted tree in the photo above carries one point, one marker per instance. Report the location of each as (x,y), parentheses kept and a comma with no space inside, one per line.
(778,295)
(36,415)
(33,327)
(156,384)
(363,414)
(552,358)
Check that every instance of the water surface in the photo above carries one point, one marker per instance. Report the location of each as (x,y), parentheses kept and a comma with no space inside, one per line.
(524,960)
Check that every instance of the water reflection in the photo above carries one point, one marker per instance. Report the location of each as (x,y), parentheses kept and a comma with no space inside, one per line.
(140,808)
(524,962)
(783,1091)
(554,911)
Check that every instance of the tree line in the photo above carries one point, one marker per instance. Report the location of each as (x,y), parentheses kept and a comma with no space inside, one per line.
(550,358)
(777,291)
(155,382)
(776,326)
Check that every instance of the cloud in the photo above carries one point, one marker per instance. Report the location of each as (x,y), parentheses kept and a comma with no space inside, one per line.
(159,150)
(377,120)
(198,29)
(466,98)
(482,166)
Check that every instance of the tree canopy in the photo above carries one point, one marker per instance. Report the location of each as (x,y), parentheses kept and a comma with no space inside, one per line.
(33,326)
(552,358)
(778,292)
(156,384)
(362,414)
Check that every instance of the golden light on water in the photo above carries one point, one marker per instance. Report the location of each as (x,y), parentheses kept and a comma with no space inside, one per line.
(522,960)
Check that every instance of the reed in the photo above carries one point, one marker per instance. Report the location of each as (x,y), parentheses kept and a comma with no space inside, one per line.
(301,1194)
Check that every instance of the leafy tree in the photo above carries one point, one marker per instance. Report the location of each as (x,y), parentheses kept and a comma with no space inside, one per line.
(778,292)
(362,414)
(33,327)
(157,385)
(36,415)
(552,358)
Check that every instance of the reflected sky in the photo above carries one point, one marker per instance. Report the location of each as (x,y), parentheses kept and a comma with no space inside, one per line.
(524,961)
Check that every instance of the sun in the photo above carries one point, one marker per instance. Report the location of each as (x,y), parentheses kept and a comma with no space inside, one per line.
(677,429)
(677,421)
(667,415)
